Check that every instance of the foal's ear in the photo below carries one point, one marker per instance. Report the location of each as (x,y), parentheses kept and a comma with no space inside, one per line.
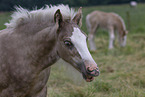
(78,17)
(58,17)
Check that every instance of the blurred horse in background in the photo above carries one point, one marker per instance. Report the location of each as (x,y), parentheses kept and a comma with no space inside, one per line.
(109,21)
(33,41)
(133,4)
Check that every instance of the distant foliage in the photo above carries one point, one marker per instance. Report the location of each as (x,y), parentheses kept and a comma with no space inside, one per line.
(7,5)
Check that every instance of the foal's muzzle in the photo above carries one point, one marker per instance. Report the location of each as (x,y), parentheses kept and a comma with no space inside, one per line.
(93,71)
(90,73)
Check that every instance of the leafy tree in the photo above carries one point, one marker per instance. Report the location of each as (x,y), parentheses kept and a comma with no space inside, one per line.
(7,5)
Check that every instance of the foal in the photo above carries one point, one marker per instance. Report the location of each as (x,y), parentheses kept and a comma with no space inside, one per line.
(35,40)
(109,21)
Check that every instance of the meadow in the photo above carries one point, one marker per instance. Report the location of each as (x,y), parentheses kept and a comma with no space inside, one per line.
(122,69)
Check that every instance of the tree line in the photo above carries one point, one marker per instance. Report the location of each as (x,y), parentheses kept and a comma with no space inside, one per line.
(8,5)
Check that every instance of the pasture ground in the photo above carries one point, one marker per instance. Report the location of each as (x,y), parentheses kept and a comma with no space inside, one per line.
(122,69)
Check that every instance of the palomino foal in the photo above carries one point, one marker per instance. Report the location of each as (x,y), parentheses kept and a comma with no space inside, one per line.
(33,41)
(109,21)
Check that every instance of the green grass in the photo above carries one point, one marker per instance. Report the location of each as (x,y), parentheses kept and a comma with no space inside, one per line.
(122,69)
(4,17)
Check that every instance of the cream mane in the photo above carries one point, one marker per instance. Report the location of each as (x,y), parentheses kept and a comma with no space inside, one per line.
(22,16)
(122,21)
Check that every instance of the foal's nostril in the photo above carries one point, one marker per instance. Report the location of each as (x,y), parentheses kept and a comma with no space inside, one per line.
(93,71)
(90,69)
(97,72)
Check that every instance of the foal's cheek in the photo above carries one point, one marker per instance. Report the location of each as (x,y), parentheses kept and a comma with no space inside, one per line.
(64,52)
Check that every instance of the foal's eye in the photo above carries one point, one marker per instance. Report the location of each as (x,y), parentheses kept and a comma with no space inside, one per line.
(68,43)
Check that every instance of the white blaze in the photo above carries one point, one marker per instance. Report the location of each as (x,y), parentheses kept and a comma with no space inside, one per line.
(79,41)
(124,41)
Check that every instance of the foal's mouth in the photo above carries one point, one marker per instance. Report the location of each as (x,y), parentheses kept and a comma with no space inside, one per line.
(87,77)
(89,74)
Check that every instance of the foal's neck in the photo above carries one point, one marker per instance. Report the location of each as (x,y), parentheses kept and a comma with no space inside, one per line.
(49,41)
(43,45)
(42,40)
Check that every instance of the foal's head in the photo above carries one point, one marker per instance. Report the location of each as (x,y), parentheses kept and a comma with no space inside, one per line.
(72,46)
(123,37)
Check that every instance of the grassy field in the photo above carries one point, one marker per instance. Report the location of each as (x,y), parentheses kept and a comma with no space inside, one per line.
(122,69)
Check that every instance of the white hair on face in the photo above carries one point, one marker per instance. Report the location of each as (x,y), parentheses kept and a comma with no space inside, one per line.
(79,41)
(22,15)
(124,41)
